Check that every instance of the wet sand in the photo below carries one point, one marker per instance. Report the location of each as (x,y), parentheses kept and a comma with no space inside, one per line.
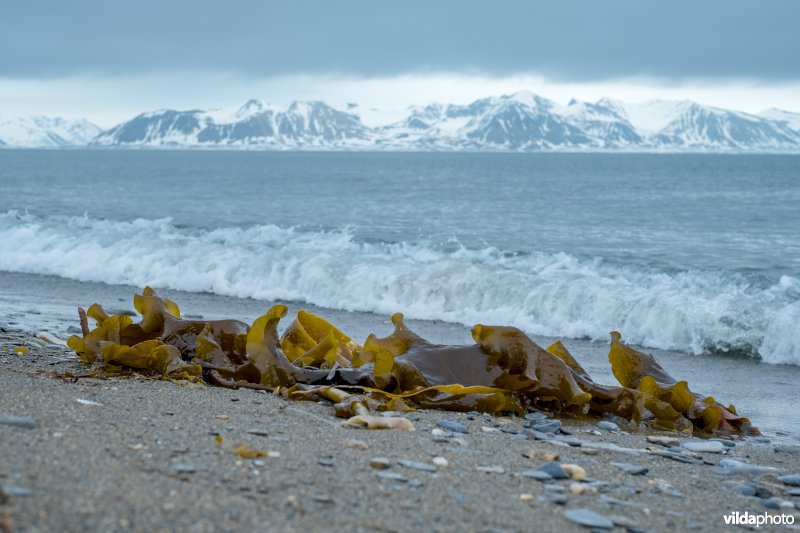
(141,455)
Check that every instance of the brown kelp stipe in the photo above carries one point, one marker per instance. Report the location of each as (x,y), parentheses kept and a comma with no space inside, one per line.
(503,372)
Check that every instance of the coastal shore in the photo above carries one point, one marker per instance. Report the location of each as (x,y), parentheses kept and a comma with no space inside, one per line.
(135,453)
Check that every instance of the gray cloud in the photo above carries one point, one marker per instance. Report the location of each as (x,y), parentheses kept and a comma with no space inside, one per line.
(564,40)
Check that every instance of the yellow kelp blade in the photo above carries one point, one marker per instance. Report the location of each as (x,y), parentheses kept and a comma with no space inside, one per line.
(398,342)
(305,332)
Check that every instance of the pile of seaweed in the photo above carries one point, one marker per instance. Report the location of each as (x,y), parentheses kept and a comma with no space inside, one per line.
(503,372)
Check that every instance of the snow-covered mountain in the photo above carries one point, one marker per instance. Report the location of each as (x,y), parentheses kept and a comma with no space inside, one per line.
(300,125)
(45,132)
(518,122)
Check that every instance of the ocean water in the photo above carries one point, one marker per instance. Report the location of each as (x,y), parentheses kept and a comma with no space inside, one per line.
(694,253)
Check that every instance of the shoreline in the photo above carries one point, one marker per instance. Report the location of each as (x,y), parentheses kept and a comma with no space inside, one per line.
(146,458)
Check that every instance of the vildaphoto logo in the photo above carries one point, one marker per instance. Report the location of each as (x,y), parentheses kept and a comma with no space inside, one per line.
(747,518)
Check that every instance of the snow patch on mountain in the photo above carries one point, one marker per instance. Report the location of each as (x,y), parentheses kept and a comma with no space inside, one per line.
(45,132)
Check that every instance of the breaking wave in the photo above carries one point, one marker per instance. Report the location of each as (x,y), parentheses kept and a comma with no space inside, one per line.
(543,294)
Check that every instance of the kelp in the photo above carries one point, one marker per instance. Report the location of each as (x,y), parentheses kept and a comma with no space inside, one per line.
(502,372)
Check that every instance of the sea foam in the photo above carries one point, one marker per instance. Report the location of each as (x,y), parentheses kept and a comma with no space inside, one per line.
(543,294)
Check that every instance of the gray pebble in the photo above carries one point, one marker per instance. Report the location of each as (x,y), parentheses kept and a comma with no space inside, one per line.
(727,442)
(708,446)
(13,490)
(183,468)
(572,441)
(793,480)
(417,465)
(732,466)
(381,463)
(558,499)
(632,469)
(393,476)
(605,425)
(548,426)
(258,431)
(17,421)
(588,518)
(538,475)
(676,457)
(536,416)
(452,425)
(745,489)
(323,498)
(554,469)
(328,463)
(416,483)
(74,330)
(793,492)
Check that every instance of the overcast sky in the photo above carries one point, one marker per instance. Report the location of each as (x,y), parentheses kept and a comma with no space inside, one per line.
(107,60)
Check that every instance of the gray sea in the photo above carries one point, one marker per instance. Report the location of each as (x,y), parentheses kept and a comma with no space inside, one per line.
(698,254)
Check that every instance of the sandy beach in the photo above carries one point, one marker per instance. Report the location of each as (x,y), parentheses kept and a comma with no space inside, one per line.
(140,454)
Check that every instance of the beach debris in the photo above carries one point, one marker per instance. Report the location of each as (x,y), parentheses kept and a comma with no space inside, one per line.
(83,401)
(504,371)
(380,463)
(25,422)
(632,469)
(451,425)
(526,497)
(21,350)
(50,338)
(588,518)
(537,455)
(243,450)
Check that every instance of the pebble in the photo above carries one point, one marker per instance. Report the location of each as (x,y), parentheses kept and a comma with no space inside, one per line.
(535,416)
(88,402)
(727,442)
(356,444)
(558,499)
(708,446)
(440,462)
(605,425)
(745,489)
(663,441)
(13,490)
(632,469)
(328,463)
(416,483)
(732,466)
(392,476)
(676,457)
(436,432)
(793,480)
(588,518)
(417,465)
(491,469)
(582,488)
(664,487)
(323,498)
(184,468)
(554,469)
(538,475)
(548,426)
(572,441)
(526,497)
(451,425)
(258,431)
(381,463)
(74,329)
(793,492)
(575,472)
(25,422)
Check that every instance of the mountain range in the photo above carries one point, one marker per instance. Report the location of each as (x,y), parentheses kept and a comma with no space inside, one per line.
(519,122)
